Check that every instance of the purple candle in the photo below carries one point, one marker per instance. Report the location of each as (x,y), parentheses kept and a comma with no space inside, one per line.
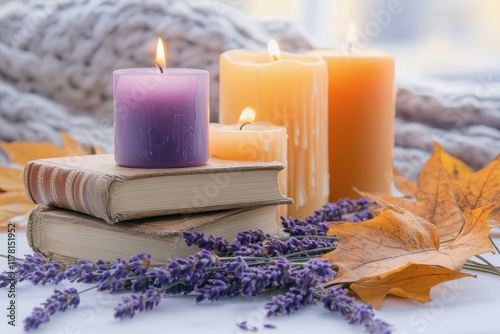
(161,119)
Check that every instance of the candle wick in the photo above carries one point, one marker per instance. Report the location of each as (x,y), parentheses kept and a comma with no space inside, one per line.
(242,125)
(159,66)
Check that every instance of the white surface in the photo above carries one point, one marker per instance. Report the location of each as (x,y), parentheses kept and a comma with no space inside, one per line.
(466,305)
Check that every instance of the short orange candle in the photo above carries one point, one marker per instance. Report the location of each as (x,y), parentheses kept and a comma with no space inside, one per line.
(252,141)
(361,103)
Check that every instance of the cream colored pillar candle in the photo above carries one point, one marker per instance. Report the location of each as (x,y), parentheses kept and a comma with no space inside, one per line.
(292,91)
(252,141)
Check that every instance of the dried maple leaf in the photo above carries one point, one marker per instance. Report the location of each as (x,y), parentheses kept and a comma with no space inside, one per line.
(13,200)
(397,237)
(413,281)
(481,188)
(433,197)
(22,152)
(456,168)
(11,179)
(407,187)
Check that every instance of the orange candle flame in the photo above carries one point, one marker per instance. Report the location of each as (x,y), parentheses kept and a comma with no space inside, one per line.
(274,49)
(161,58)
(247,116)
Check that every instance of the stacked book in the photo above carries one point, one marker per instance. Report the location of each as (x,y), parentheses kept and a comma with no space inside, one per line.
(91,208)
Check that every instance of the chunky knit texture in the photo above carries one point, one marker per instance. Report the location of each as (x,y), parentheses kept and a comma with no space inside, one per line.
(464,117)
(57,56)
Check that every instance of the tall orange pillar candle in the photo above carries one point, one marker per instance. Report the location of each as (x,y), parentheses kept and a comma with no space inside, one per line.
(292,91)
(252,141)
(361,118)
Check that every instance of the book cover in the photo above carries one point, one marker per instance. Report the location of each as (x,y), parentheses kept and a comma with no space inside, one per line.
(67,235)
(96,186)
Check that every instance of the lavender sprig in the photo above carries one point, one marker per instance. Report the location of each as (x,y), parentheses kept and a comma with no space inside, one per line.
(8,278)
(336,300)
(37,270)
(265,247)
(108,276)
(251,263)
(239,279)
(60,301)
(302,291)
(137,303)
(183,275)
(116,277)
(342,210)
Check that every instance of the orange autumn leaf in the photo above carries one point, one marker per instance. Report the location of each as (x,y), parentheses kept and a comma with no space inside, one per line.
(11,210)
(456,168)
(397,237)
(412,281)
(434,199)
(22,152)
(13,200)
(17,196)
(11,179)
(407,187)
(479,189)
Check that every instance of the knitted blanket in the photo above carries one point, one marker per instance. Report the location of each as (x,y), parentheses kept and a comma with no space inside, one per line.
(464,117)
(57,58)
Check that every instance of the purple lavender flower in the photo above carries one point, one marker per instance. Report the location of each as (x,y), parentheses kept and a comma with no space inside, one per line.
(8,278)
(258,244)
(245,326)
(35,269)
(240,279)
(137,303)
(342,210)
(208,243)
(276,247)
(37,318)
(295,226)
(139,264)
(58,302)
(121,274)
(336,300)
(183,275)
(302,291)
(82,272)
(315,272)
(290,302)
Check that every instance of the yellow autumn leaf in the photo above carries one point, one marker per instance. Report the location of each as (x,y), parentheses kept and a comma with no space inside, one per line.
(433,200)
(397,237)
(412,281)
(22,152)
(8,211)
(11,179)
(407,187)
(72,147)
(456,168)
(13,199)
(16,196)
(479,189)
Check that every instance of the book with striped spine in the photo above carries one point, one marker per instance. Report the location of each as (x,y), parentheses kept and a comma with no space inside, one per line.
(96,186)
